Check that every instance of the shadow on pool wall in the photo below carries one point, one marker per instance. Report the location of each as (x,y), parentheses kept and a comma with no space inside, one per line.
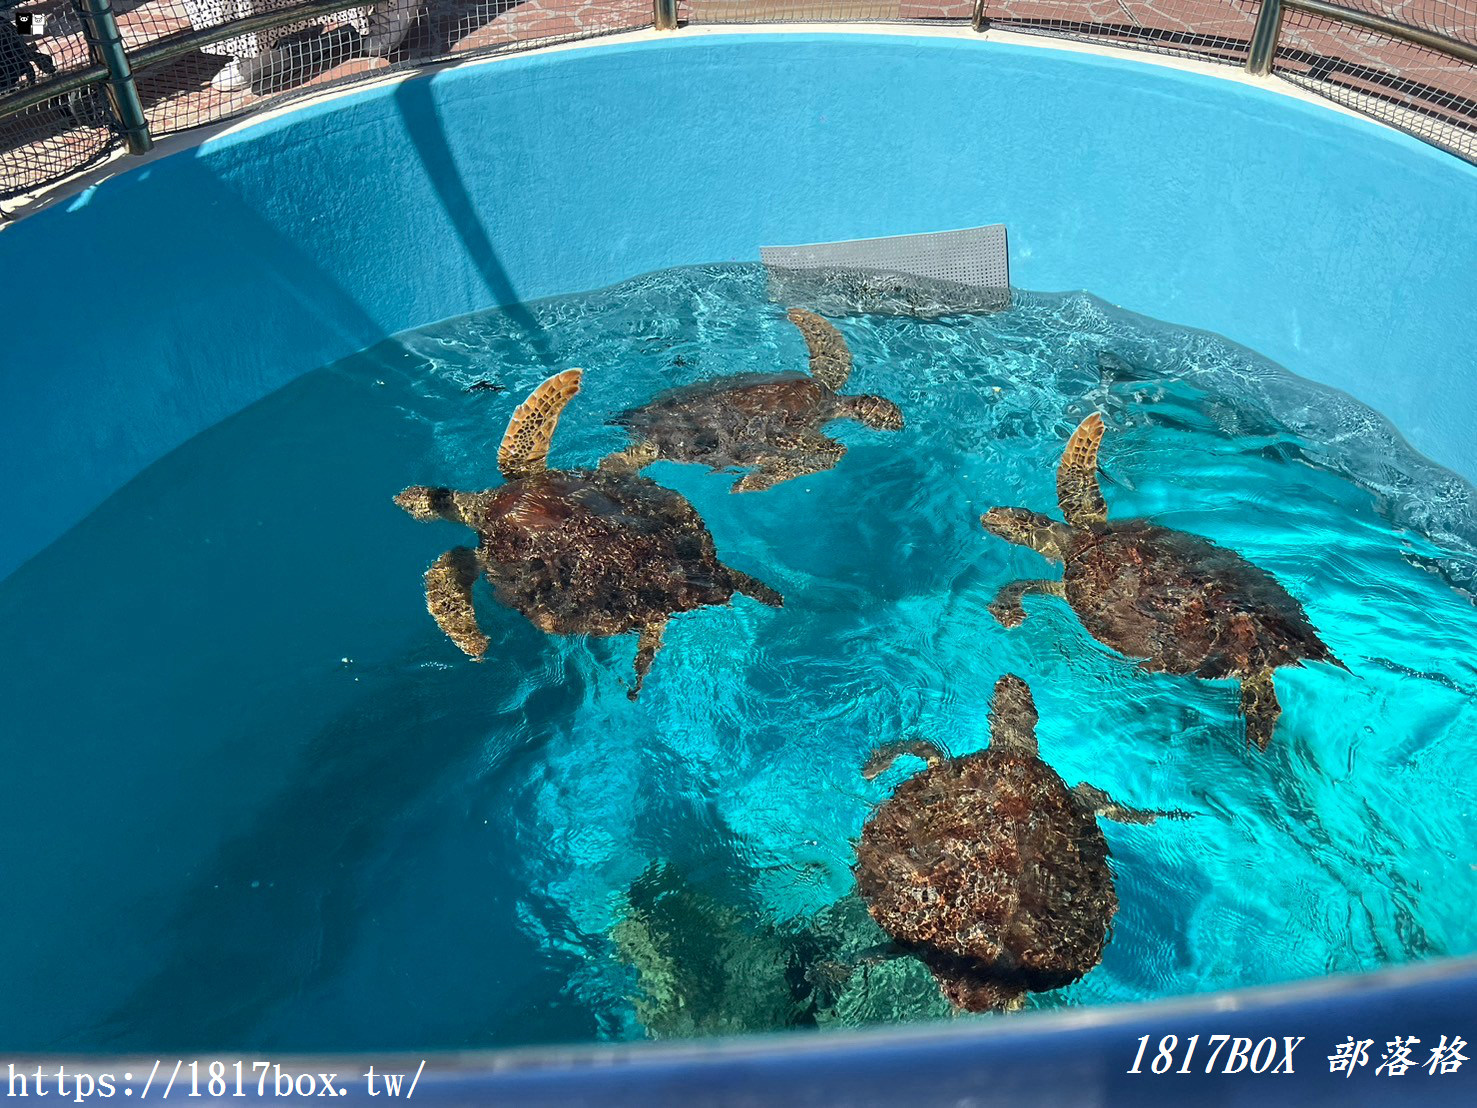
(172,296)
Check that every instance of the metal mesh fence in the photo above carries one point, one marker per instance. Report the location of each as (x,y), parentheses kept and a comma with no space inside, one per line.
(1425,92)
(55,137)
(1213,30)
(243,72)
(823,11)
(270,50)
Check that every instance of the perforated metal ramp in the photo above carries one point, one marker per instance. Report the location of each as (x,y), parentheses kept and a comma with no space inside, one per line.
(941,273)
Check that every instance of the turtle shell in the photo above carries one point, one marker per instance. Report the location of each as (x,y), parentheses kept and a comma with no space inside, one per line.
(590,552)
(1184,603)
(987,869)
(734,421)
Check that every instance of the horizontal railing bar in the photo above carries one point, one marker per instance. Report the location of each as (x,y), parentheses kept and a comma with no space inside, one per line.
(50,90)
(1429,39)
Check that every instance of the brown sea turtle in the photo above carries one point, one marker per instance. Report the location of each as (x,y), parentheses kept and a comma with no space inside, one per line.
(771,422)
(579,552)
(1176,600)
(988,867)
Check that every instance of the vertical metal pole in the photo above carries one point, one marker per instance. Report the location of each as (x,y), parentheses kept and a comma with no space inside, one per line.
(106,43)
(665,14)
(977,19)
(1264,39)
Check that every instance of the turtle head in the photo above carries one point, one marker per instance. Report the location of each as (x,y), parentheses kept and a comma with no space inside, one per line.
(1026,528)
(1013,714)
(877,412)
(426,503)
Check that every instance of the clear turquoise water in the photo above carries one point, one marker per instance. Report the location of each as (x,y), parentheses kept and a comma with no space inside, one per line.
(254,798)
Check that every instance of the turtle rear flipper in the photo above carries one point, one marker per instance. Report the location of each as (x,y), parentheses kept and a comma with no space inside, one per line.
(525,445)
(650,643)
(1077,489)
(449,584)
(1260,707)
(830,358)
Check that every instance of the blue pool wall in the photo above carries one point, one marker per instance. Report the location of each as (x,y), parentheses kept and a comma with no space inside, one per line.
(164,299)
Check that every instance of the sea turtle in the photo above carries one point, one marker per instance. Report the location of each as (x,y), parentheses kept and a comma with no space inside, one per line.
(1176,600)
(988,867)
(592,552)
(770,421)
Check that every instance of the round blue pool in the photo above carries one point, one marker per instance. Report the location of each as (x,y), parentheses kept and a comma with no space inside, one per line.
(173,297)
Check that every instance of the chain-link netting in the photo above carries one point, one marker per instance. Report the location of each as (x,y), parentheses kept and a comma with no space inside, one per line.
(1213,30)
(242,73)
(822,11)
(1425,92)
(55,137)
(235,74)
(270,50)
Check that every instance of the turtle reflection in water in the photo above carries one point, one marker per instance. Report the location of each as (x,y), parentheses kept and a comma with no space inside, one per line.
(769,421)
(1176,600)
(591,552)
(988,867)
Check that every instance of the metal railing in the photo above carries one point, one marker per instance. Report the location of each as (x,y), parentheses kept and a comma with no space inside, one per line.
(109,75)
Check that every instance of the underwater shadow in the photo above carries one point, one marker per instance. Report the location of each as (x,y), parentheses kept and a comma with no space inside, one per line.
(274,916)
(423,126)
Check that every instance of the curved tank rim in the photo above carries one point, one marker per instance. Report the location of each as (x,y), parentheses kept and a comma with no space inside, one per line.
(201,140)
(1389,983)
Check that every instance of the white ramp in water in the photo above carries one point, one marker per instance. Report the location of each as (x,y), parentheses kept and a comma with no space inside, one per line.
(934,274)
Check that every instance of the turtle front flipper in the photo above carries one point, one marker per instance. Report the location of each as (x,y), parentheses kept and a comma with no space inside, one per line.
(646,648)
(1260,707)
(449,584)
(1092,799)
(1077,489)
(753,588)
(525,445)
(882,758)
(819,455)
(830,357)
(1007,606)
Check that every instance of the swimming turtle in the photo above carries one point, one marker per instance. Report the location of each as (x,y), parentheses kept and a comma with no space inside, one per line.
(988,867)
(1178,601)
(592,552)
(769,421)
